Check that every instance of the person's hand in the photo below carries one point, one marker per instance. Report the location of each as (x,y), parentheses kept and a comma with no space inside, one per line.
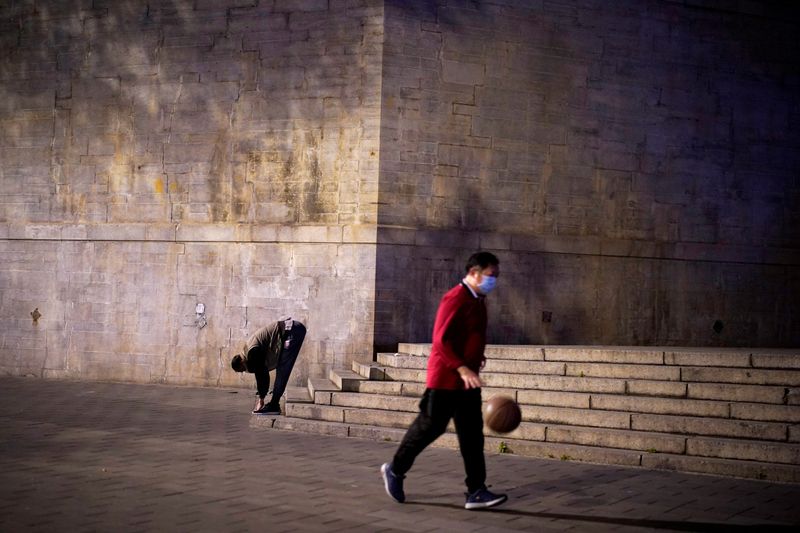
(470,378)
(259,405)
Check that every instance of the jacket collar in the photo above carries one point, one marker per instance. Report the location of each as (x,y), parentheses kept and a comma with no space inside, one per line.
(471,290)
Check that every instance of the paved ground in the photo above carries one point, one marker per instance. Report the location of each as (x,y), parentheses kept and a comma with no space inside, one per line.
(111,457)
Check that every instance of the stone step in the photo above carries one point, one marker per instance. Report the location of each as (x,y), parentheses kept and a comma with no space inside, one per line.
(375,401)
(616,438)
(376,372)
(316,385)
(744,376)
(346,380)
(649,458)
(724,467)
(620,412)
(720,447)
(724,357)
(738,393)
(664,406)
(393,419)
(643,380)
(691,425)
(298,395)
(731,412)
(398,388)
(776,452)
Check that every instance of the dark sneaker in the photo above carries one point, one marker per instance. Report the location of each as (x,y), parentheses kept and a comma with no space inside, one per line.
(483,499)
(393,483)
(269,409)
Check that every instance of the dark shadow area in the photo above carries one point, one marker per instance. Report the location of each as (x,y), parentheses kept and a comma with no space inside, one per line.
(634,168)
(672,525)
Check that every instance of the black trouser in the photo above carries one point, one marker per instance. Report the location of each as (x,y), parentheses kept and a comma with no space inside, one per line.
(436,409)
(286,360)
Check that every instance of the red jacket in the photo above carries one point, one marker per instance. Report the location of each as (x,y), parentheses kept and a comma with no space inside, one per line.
(459,338)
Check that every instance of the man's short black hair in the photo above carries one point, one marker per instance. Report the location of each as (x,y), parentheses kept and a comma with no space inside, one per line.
(481,260)
(237,363)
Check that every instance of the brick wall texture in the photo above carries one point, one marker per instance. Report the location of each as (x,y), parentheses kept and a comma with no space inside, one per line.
(633,164)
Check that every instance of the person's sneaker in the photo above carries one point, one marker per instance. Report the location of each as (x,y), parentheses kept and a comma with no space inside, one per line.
(393,483)
(269,409)
(483,499)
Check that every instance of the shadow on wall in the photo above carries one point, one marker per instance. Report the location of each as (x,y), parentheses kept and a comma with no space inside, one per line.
(646,152)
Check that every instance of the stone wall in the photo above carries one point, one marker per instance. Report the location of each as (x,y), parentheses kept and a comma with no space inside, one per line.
(633,164)
(157,155)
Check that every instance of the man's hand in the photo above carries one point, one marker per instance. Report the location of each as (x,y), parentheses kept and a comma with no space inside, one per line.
(259,405)
(470,378)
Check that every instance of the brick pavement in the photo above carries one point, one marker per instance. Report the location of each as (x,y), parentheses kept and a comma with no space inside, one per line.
(118,457)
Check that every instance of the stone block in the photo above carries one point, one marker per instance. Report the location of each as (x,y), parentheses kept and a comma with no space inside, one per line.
(525,431)
(641,387)
(612,438)
(772,452)
(567,452)
(315,412)
(333,429)
(346,380)
(772,360)
(377,417)
(709,426)
(660,405)
(376,434)
(381,387)
(553,398)
(744,376)
(401,361)
(624,371)
(374,401)
(736,393)
(510,366)
(726,467)
(310,234)
(463,73)
(577,417)
(205,232)
(765,412)
(727,358)
(117,232)
(590,354)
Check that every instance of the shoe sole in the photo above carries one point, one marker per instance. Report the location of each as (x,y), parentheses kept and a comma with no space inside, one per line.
(486,505)
(385,476)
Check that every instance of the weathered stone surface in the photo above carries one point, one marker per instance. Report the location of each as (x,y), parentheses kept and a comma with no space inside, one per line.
(739,393)
(577,417)
(612,438)
(709,426)
(667,406)
(301,158)
(741,449)
(710,465)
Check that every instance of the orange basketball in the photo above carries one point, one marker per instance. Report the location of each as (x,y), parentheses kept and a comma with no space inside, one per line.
(502,414)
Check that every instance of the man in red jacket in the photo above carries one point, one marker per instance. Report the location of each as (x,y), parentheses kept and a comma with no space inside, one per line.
(453,387)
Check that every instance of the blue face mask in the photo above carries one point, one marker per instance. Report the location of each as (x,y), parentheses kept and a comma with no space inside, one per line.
(487,284)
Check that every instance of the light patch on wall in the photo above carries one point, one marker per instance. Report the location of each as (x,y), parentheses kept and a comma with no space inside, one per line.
(158,186)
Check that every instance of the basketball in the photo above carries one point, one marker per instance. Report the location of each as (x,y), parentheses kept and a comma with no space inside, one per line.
(502,414)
